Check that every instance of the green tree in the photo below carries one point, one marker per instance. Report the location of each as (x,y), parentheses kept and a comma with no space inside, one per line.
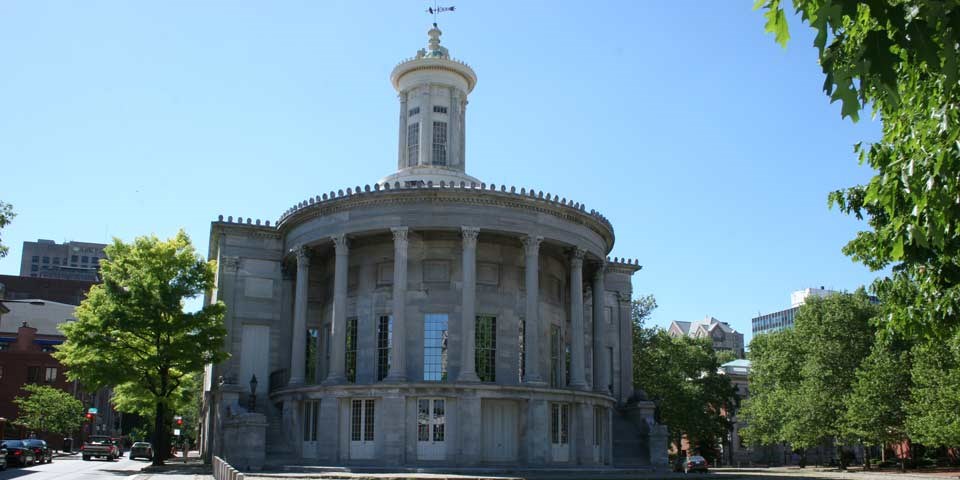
(689,393)
(131,330)
(6,216)
(48,409)
(775,360)
(876,406)
(900,57)
(933,410)
(724,356)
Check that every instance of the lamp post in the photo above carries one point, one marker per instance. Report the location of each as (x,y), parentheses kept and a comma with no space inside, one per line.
(253,393)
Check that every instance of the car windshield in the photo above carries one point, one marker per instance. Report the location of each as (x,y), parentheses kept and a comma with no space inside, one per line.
(12,444)
(697,459)
(99,439)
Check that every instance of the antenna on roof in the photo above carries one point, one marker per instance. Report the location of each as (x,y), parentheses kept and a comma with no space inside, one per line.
(435,10)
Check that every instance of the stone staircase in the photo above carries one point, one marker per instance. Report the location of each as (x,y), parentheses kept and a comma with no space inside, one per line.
(630,442)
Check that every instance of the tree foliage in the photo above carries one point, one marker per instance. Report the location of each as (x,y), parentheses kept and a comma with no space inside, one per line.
(933,410)
(6,216)
(131,330)
(876,406)
(48,409)
(680,376)
(800,378)
(900,58)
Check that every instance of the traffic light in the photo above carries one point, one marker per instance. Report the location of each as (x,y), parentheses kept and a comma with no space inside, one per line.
(178,420)
(89,417)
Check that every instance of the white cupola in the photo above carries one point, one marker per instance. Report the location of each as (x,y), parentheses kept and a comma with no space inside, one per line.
(433,89)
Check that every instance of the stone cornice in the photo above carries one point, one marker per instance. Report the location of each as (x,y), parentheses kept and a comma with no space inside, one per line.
(256,230)
(480,195)
(434,63)
(622,265)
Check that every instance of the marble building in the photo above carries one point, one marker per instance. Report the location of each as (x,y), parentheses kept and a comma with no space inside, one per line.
(428,319)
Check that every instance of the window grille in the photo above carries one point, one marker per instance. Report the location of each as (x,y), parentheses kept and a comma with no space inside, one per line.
(435,347)
(413,144)
(439,143)
(486,348)
(559,423)
(351,350)
(384,340)
(554,355)
(439,109)
(413,111)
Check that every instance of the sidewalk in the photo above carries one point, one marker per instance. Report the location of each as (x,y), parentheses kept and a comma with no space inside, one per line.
(177,469)
(833,473)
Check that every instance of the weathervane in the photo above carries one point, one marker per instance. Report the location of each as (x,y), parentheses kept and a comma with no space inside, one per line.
(435,9)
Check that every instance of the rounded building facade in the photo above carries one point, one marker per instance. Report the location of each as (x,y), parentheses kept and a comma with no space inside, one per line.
(428,319)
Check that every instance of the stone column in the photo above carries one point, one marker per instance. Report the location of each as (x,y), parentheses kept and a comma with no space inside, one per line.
(337,372)
(601,380)
(531,325)
(468,328)
(402,161)
(397,354)
(578,379)
(426,126)
(298,350)
(453,137)
(626,337)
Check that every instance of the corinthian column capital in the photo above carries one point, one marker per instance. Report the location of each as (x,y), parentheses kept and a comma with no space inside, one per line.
(341,244)
(470,236)
(576,257)
(531,244)
(400,236)
(303,255)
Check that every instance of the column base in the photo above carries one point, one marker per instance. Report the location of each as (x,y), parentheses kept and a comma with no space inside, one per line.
(334,380)
(468,378)
(391,378)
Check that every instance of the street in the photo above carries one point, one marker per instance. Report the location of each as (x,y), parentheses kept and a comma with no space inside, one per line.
(73,468)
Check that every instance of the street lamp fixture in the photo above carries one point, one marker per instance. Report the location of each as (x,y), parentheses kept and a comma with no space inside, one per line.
(253,392)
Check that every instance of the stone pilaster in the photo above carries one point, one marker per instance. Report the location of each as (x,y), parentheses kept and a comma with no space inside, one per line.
(531,326)
(397,365)
(298,350)
(577,376)
(468,370)
(426,125)
(626,359)
(337,372)
(601,379)
(402,161)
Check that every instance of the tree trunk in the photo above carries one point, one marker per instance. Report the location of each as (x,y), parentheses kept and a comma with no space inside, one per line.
(866,457)
(161,448)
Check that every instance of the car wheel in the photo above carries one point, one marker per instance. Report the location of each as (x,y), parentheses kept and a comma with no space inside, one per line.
(86,458)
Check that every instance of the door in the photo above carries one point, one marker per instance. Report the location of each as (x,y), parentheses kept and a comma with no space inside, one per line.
(255,356)
(362,434)
(560,432)
(501,425)
(311,418)
(431,429)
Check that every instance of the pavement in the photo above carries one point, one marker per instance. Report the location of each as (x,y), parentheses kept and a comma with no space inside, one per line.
(72,467)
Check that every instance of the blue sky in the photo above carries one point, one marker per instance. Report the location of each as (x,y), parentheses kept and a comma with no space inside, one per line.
(709,147)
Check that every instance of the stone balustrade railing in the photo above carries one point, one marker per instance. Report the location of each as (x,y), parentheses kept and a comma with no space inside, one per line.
(223,471)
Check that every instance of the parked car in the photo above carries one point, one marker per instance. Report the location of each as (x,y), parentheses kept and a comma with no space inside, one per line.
(41,451)
(119,444)
(141,450)
(3,459)
(18,454)
(695,463)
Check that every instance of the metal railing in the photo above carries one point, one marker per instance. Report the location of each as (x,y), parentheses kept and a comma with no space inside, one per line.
(279,379)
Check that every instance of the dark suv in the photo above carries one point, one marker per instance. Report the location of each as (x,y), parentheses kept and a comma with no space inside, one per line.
(40,449)
(18,454)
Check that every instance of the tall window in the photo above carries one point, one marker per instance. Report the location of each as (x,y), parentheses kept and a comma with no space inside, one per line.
(559,423)
(33,374)
(435,347)
(351,350)
(50,375)
(522,343)
(554,355)
(362,416)
(486,351)
(566,363)
(439,143)
(384,340)
(325,341)
(312,356)
(413,143)
(610,369)
(599,419)
(311,417)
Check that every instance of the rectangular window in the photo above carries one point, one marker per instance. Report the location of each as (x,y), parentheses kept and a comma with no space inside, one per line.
(439,143)
(522,343)
(566,363)
(610,369)
(311,418)
(413,144)
(554,355)
(599,419)
(435,347)
(50,375)
(351,350)
(35,259)
(384,340)
(559,423)
(84,259)
(46,259)
(413,111)
(362,416)
(34,268)
(431,424)
(33,374)
(486,348)
(439,109)
(56,260)
(325,341)
(312,356)
(73,258)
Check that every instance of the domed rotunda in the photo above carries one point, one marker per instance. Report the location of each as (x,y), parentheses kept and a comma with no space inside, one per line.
(427,319)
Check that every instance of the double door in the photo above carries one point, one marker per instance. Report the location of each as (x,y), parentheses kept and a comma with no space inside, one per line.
(431,429)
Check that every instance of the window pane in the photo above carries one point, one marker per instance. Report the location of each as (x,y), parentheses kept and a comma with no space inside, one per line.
(439,143)
(312,356)
(554,427)
(554,355)
(368,420)
(413,144)
(351,350)
(438,420)
(522,342)
(51,375)
(486,348)
(384,340)
(356,417)
(423,420)
(435,347)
